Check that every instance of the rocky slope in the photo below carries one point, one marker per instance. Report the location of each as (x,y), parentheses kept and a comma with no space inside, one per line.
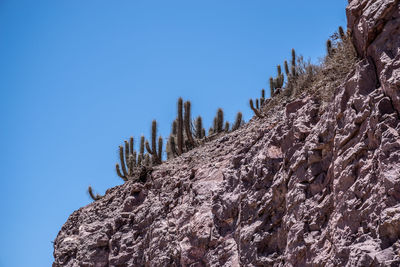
(312,185)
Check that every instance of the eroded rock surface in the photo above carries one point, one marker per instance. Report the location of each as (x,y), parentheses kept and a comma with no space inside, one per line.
(314,185)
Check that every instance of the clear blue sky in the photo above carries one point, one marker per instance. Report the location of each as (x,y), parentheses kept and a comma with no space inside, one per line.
(79,77)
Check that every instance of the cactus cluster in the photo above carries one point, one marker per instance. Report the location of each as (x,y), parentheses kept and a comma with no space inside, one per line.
(276,84)
(131,161)
(219,126)
(259,103)
(182,138)
(218,123)
(186,136)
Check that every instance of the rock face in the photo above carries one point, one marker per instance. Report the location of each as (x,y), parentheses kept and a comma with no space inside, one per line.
(311,186)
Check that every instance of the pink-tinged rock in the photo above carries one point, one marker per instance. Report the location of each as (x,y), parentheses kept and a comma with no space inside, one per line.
(310,185)
(376,34)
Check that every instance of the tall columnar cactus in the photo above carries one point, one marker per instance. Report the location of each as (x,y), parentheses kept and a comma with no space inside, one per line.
(262,99)
(215,125)
(128,159)
(180,127)
(92,195)
(182,137)
(131,162)
(187,122)
(171,147)
(271,86)
(258,114)
(285,64)
(329,47)
(238,121)
(127,152)
(226,128)
(293,57)
(174,128)
(258,109)
(278,82)
(220,120)
(160,148)
(199,128)
(171,143)
(293,65)
(141,150)
(156,155)
(124,174)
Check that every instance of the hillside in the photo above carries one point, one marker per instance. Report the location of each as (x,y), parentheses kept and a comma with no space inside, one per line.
(316,182)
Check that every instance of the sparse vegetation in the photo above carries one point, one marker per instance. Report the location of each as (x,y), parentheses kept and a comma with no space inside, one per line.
(316,80)
(238,121)
(302,77)
(92,195)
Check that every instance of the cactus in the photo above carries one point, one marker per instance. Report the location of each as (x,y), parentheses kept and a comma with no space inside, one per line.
(131,144)
(226,128)
(278,81)
(182,138)
(262,99)
(293,57)
(203,133)
(156,155)
(271,86)
(293,65)
(124,174)
(258,114)
(215,125)
(329,47)
(286,66)
(219,121)
(257,105)
(180,127)
(174,127)
(129,159)
(187,122)
(171,147)
(126,152)
(199,128)
(141,151)
(279,70)
(238,121)
(160,147)
(92,195)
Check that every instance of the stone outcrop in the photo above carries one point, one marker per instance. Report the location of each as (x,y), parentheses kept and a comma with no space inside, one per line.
(313,185)
(376,32)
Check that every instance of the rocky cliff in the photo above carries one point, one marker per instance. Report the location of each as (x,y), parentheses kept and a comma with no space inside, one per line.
(310,185)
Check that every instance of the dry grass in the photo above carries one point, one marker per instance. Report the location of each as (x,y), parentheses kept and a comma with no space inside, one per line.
(320,80)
